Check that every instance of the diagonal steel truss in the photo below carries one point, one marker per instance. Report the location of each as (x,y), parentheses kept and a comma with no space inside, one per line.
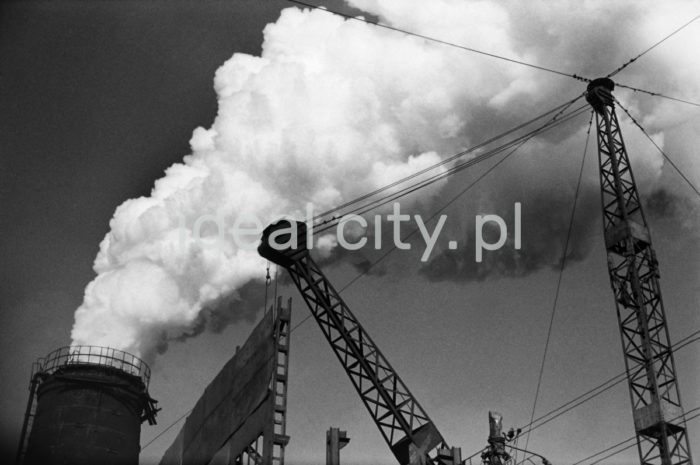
(397,414)
(403,423)
(634,276)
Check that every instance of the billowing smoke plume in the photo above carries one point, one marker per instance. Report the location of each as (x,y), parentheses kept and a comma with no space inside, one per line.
(333,109)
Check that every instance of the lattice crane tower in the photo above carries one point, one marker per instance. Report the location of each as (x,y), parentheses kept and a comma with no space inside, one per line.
(651,373)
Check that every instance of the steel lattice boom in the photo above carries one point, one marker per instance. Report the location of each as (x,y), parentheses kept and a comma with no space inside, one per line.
(634,276)
(403,423)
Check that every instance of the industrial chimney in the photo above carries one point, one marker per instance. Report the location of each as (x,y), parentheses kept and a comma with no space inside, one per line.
(86,406)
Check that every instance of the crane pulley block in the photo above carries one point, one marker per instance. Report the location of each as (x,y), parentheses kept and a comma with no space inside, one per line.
(284,242)
(599,93)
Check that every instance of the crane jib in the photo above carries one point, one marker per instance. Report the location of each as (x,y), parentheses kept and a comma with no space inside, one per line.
(404,425)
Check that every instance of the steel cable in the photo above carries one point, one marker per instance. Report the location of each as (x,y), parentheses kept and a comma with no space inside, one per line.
(561,274)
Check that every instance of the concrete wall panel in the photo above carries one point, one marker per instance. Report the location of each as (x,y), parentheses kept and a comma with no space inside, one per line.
(236,405)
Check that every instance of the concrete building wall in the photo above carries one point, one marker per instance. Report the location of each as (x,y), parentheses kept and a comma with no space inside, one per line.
(235,408)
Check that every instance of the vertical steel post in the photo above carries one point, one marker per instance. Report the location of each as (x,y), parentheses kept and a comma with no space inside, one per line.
(335,440)
(28,417)
(496,453)
(634,276)
(278,385)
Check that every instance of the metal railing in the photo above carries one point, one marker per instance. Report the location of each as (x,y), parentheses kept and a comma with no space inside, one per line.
(93,355)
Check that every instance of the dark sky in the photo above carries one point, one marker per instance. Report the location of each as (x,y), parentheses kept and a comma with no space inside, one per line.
(97,98)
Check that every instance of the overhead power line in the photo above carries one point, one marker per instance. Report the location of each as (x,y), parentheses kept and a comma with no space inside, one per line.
(687,419)
(657,94)
(598,390)
(512,60)
(375,203)
(413,188)
(440,164)
(689,339)
(180,418)
(678,170)
(439,41)
(439,176)
(447,204)
(561,274)
(632,60)
(689,412)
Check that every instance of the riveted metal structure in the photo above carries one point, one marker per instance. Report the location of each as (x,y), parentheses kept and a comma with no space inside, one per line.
(86,406)
(634,275)
(403,423)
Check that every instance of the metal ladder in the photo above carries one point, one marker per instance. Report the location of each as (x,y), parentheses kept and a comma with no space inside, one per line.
(279,383)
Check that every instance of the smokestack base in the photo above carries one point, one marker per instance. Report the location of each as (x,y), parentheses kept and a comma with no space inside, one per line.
(90,403)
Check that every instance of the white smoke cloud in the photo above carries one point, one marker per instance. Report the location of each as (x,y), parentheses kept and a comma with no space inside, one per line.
(302,123)
(330,110)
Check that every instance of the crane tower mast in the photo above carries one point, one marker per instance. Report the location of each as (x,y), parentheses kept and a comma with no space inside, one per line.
(634,275)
